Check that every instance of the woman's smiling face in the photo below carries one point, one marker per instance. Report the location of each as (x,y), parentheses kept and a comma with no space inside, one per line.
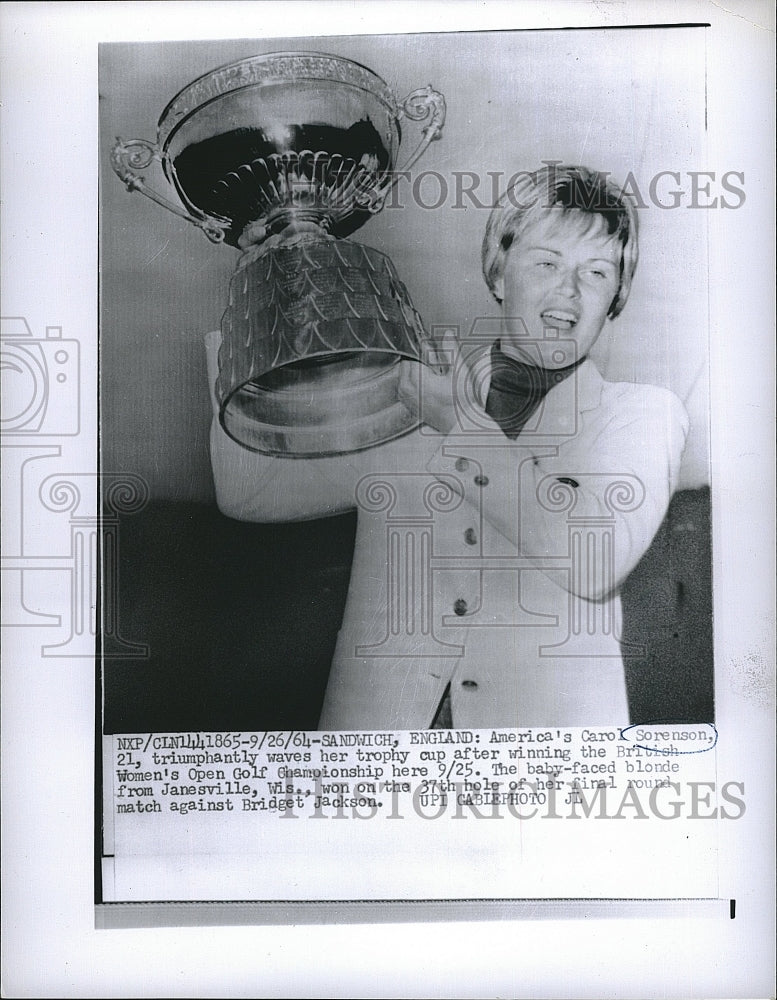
(561,274)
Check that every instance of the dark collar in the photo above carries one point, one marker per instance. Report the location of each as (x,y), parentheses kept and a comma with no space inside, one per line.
(517,377)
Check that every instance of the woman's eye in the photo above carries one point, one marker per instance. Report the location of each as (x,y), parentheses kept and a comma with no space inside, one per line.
(545,263)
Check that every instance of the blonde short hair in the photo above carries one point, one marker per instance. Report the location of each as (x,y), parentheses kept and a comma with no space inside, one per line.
(583,196)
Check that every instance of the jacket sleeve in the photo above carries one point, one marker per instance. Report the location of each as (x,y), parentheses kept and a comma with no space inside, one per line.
(255,487)
(618,473)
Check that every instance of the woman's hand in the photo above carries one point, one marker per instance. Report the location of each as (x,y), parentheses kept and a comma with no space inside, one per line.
(427,393)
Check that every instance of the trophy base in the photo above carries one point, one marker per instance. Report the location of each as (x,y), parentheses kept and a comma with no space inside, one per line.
(312,343)
(328,406)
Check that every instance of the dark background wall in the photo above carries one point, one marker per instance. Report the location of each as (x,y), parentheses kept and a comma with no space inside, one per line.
(241,620)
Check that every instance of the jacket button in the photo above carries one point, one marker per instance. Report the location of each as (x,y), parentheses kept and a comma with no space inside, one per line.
(481,480)
(470,536)
(460,607)
(469,685)
(462,464)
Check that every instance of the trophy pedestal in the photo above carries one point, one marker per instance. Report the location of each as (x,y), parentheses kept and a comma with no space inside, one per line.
(284,155)
(312,342)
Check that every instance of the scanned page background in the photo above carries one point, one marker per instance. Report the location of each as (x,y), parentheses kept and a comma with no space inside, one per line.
(50,178)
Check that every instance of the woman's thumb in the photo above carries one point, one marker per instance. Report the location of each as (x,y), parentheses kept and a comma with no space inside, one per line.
(450,351)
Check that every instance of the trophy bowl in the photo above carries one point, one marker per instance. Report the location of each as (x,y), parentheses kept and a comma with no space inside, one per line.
(282,155)
(278,137)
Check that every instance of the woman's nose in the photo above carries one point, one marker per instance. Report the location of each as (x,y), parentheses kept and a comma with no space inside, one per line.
(569,283)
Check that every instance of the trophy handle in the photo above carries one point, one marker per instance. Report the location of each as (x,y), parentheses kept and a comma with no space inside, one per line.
(422,104)
(137,154)
(417,106)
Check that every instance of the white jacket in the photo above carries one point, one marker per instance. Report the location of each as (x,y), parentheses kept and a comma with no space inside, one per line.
(486,563)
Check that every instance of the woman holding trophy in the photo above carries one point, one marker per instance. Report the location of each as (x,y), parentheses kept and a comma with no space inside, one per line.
(553,483)
(504,489)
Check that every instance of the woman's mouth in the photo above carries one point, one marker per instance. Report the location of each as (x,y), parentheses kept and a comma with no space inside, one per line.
(560,319)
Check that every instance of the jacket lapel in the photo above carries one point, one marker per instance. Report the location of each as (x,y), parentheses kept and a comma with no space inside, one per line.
(560,409)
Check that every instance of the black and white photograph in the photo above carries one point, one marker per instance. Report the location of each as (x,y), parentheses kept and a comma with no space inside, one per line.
(404,432)
(387,460)
(393,477)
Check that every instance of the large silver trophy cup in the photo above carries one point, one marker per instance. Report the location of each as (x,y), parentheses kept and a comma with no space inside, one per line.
(282,156)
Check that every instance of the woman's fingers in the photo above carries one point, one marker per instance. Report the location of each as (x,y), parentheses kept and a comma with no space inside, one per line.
(450,347)
(407,389)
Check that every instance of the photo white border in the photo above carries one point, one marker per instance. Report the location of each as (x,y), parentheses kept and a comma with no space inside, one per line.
(49,193)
